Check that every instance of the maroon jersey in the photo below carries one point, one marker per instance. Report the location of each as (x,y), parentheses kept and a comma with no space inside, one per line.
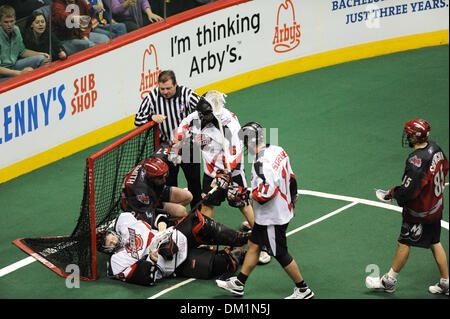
(422,191)
(139,195)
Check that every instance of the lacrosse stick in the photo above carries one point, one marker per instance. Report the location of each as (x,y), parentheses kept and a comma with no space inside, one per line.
(201,201)
(217,101)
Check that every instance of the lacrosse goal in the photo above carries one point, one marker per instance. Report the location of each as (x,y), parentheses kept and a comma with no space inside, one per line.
(99,207)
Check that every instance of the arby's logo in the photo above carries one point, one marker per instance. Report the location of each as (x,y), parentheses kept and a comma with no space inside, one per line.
(150,71)
(287,30)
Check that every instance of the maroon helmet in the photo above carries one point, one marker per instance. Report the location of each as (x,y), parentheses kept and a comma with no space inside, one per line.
(415,132)
(156,168)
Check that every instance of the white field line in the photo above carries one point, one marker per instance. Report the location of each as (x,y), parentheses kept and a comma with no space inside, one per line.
(26,261)
(171,288)
(444,223)
(16,265)
(337,211)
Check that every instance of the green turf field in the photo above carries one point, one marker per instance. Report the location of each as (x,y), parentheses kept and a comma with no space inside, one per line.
(342,128)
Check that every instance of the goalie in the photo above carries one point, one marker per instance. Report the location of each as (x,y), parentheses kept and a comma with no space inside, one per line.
(144,250)
(216,129)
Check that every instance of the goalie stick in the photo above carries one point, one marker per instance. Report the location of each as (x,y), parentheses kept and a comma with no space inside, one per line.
(217,101)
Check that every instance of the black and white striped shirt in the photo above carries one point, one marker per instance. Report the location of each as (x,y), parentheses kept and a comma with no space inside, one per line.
(176,109)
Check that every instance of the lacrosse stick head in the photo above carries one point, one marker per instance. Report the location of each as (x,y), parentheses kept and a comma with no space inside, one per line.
(217,101)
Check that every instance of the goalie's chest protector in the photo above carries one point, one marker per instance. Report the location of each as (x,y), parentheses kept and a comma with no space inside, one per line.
(139,235)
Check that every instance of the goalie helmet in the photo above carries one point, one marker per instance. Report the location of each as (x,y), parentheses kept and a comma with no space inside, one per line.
(110,245)
(415,132)
(251,133)
(156,168)
(203,108)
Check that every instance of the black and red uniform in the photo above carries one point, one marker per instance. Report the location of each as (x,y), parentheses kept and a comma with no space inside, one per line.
(140,195)
(421,195)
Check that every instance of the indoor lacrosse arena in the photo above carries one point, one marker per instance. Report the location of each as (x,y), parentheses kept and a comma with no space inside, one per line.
(335,100)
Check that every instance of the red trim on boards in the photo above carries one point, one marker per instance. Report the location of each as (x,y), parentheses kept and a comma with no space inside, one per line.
(116,43)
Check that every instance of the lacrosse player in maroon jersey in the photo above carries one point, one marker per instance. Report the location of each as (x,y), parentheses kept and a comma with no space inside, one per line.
(144,189)
(421,195)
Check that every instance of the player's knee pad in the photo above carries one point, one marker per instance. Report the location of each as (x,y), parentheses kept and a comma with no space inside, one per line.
(198,264)
(214,233)
(284,260)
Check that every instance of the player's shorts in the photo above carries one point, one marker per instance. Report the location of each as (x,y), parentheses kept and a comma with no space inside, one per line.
(420,235)
(166,194)
(220,195)
(271,239)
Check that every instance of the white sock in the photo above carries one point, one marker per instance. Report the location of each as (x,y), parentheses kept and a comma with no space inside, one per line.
(392,273)
(444,281)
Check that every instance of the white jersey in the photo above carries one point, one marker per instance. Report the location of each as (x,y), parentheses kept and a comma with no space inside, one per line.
(272,203)
(138,235)
(210,140)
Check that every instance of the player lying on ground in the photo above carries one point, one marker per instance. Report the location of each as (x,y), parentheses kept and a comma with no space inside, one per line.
(421,195)
(141,254)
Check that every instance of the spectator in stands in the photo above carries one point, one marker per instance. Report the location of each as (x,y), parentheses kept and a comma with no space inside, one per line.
(24,8)
(71,24)
(15,58)
(102,22)
(36,37)
(134,13)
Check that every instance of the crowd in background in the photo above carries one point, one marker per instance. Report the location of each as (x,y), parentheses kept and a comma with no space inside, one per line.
(36,32)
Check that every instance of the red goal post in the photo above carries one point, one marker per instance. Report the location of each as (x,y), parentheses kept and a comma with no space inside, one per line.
(100,205)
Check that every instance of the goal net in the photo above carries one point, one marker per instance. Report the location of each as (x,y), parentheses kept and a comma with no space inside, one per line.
(100,205)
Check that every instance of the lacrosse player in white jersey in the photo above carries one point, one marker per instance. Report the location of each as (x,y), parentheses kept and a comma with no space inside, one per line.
(216,129)
(274,193)
(145,250)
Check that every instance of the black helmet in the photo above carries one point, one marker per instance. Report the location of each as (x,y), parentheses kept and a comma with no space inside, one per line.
(204,107)
(251,133)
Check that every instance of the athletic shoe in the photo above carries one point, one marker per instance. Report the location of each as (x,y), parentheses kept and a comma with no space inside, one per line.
(301,293)
(439,288)
(264,258)
(232,285)
(386,282)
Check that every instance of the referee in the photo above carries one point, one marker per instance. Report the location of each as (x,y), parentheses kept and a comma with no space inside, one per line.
(167,105)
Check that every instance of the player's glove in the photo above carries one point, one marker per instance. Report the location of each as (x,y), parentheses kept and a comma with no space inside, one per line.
(222,180)
(174,155)
(238,196)
(385,196)
(168,248)
(159,238)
